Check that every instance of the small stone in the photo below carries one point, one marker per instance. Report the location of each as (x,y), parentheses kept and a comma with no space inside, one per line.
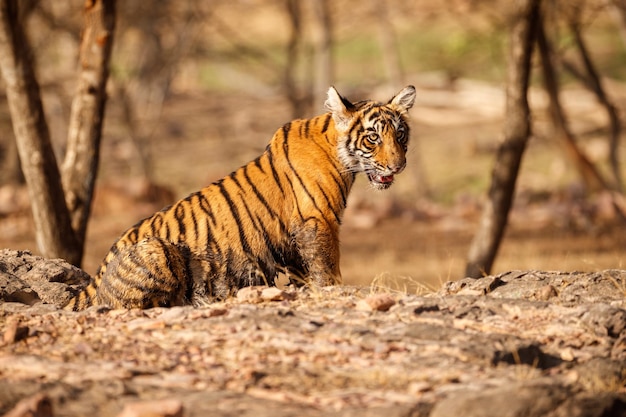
(38,405)
(250,294)
(378,302)
(546,292)
(158,408)
(470,291)
(275,294)
(14,332)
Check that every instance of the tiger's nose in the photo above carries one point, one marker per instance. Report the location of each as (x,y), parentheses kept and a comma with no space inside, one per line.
(397,167)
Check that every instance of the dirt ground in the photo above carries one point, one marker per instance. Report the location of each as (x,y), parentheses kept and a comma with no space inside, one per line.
(521,343)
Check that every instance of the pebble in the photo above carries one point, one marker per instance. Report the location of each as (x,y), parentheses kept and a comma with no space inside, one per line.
(158,408)
(377,302)
(38,405)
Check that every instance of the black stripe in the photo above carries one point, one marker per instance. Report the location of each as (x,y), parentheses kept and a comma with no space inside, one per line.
(233,177)
(301,130)
(169,256)
(296,203)
(257,163)
(259,196)
(269,270)
(257,225)
(194,221)
(340,184)
(286,128)
(235,213)
(114,249)
(270,157)
(179,215)
(115,292)
(189,200)
(206,207)
(372,113)
(168,232)
(326,123)
(133,235)
(157,223)
(210,221)
(132,266)
(358,127)
(295,173)
(329,203)
(338,177)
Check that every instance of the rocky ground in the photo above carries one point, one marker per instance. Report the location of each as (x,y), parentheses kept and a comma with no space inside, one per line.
(523,343)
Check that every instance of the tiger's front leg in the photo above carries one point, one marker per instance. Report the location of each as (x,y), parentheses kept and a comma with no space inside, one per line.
(318,245)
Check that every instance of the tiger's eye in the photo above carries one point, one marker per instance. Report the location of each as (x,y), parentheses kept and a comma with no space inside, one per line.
(373,138)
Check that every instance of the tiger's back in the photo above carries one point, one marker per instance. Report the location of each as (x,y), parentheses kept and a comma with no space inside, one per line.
(279,213)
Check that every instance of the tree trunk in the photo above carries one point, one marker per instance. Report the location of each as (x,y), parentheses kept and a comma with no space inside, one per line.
(485,244)
(54,233)
(80,166)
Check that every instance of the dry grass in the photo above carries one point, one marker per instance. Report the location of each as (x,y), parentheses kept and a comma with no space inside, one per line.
(385,283)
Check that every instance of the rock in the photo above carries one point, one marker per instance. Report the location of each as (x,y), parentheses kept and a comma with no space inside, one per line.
(276,294)
(250,294)
(13,289)
(30,279)
(13,332)
(259,293)
(159,408)
(570,288)
(523,343)
(511,400)
(38,405)
(377,302)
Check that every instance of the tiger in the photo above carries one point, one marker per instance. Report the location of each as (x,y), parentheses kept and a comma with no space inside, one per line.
(280,213)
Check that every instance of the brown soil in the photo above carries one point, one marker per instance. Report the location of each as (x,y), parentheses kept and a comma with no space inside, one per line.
(522,343)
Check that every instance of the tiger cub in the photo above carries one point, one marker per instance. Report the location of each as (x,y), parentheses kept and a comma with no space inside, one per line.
(279,213)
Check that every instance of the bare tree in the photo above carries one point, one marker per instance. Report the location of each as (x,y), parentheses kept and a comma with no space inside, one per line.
(80,166)
(59,229)
(484,246)
(591,177)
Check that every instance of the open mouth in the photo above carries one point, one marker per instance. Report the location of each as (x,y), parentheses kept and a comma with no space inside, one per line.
(380,181)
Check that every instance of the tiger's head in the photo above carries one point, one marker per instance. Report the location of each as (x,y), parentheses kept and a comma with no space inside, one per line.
(372,137)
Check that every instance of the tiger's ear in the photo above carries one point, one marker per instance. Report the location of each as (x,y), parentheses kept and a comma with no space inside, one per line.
(404,99)
(340,108)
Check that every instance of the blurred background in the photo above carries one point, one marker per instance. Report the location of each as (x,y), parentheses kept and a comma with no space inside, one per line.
(198,89)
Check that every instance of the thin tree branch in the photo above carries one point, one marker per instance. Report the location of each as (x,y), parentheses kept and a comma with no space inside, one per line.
(590,175)
(595,83)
